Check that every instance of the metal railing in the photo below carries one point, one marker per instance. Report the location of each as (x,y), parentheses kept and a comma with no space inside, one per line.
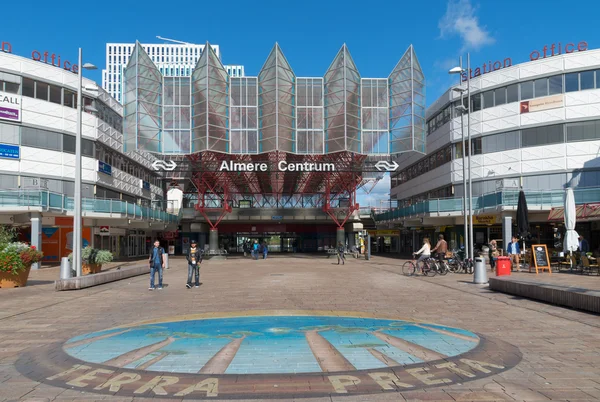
(50,201)
(536,200)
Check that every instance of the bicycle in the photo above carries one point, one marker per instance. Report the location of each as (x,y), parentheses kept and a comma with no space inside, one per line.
(409,268)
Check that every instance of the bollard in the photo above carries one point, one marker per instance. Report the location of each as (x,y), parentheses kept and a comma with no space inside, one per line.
(65,268)
(166,260)
(480,274)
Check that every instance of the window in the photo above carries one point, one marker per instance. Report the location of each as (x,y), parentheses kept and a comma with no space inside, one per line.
(555,84)
(488,99)
(541,87)
(532,137)
(87,147)
(28,87)
(55,94)
(501,142)
(69,144)
(476,102)
(571,82)
(476,148)
(597,78)
(41,90)
(512,93)
(11,87)
(37,138)
(586,80)
(70,99)
(526,90)
(584,131)
(9,133)
(500,96)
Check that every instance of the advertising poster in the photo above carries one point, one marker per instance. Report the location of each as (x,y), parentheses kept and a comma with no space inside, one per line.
(51,244)
(10,106)
(67,239)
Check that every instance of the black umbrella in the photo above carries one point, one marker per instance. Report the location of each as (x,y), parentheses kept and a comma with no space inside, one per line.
(522,216)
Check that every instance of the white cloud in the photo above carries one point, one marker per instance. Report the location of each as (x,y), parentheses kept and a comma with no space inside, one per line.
(379,193)
(460,19)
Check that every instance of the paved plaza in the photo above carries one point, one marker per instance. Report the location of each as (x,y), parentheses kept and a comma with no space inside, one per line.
(293,327)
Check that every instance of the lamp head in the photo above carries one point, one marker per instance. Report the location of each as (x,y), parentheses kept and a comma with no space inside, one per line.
(456,70)
(89,66)
(459,90)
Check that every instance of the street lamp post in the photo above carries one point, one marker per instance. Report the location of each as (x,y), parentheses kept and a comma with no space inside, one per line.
(467,194)
(77,215)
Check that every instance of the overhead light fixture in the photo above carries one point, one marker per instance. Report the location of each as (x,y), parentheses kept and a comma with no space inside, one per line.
(456,70)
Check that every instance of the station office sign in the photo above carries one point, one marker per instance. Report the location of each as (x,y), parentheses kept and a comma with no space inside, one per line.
(10,106)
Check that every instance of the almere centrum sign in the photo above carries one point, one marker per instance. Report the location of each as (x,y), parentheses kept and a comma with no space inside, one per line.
(282,166)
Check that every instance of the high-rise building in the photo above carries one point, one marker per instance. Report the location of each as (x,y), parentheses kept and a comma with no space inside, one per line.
(172,60)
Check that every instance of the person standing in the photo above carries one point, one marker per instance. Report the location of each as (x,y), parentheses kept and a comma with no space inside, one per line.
(441,247)
(255,250)
(265,250)
(194,259)
(493,253)
(340,254)
(514,251)
(157,263)
(584,246)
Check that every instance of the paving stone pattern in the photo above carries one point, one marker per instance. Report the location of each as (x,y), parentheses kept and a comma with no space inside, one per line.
(560,347)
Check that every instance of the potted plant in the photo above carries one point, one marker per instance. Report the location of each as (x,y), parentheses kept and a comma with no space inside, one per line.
(103,257)
(92,259)
(15,263)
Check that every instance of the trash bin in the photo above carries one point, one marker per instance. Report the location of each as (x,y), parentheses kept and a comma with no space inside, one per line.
(503,266)
(65,268)
(480,275)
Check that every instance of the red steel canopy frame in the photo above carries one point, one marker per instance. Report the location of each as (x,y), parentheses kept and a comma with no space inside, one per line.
(334,191)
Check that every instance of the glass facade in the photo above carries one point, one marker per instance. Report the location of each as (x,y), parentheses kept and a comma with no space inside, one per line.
(275,111)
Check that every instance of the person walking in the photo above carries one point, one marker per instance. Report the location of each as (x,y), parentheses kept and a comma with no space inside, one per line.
(194,259)
(584,246)
(493,254)
(157,263)
(425,251)
(514,251)
(265,250)
(255,250)
(340,253)
(441,247)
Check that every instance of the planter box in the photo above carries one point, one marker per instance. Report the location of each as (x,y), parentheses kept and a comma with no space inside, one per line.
(87,269)
(8,280)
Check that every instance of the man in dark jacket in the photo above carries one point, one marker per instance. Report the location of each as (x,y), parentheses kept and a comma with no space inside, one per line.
(157,263)
(194,258)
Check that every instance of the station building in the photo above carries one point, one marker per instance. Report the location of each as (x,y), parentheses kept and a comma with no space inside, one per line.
(124,202)
(250,157)
(534,125)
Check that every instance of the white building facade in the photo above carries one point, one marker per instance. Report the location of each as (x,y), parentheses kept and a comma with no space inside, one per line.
(172,59)
(534,126)
(121,193)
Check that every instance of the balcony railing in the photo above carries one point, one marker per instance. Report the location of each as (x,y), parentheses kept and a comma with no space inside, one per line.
(536,200)
(49,201)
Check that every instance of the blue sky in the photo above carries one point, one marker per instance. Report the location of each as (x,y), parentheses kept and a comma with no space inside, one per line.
(311,32)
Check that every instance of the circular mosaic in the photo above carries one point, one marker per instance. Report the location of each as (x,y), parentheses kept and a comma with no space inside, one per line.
(271,345)
(268,354)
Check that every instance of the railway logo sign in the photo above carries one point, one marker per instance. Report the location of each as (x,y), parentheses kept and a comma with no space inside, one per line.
(387,166)
(164,165)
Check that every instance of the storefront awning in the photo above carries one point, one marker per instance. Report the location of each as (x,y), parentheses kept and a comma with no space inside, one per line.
(584,211)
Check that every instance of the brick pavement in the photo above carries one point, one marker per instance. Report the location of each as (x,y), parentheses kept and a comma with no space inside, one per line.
(561,358)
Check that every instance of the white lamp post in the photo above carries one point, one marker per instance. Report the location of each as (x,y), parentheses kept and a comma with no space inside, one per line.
(77,230)
(468,199)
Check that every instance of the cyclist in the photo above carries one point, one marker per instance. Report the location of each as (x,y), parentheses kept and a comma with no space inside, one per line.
(425,251)
(441,247)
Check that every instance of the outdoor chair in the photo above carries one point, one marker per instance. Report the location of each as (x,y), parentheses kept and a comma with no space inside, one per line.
(587,266)
(570,262)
